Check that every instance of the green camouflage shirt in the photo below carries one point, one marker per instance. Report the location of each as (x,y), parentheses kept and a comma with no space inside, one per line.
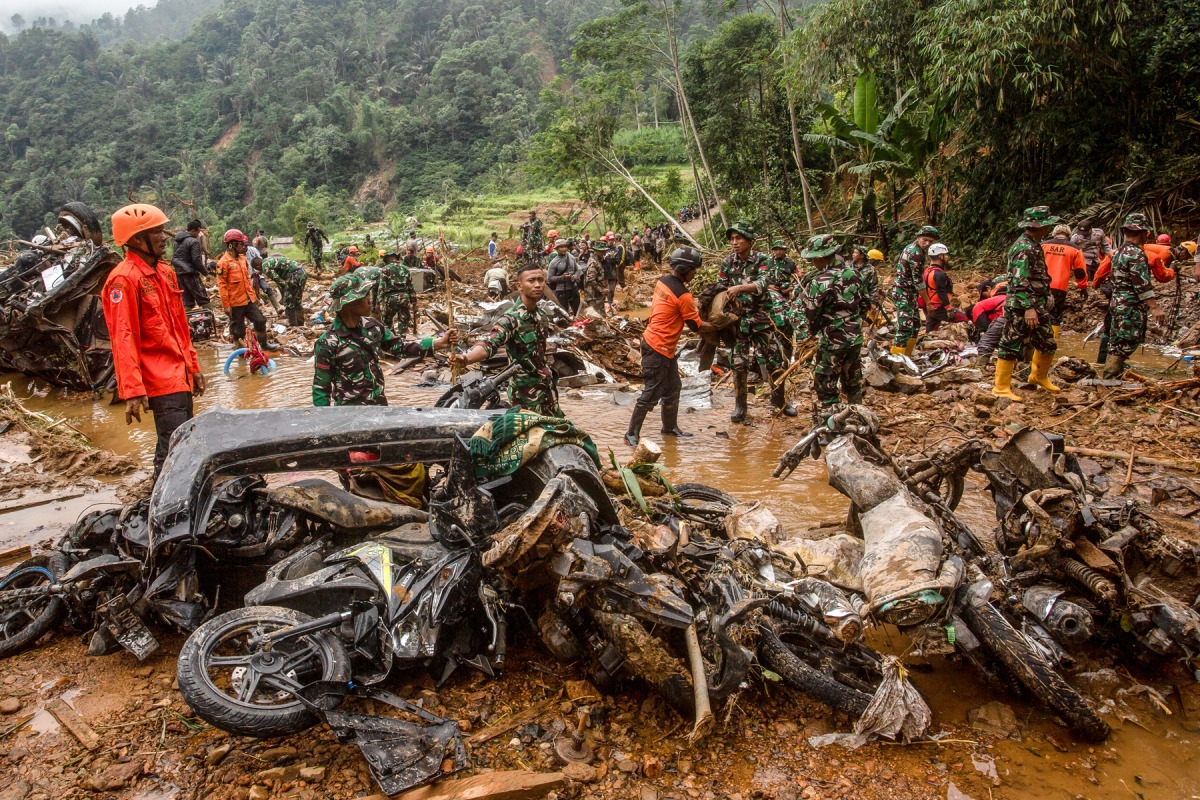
(1028,278)
(280,269)
(531,237)
(347,362)
(523,332)
(1131,275)
(869,278)
(781,274)
(834,305)
(394,280)
(910,268)
(735,272)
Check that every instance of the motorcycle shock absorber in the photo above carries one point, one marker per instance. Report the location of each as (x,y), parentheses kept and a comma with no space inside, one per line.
(1090,579)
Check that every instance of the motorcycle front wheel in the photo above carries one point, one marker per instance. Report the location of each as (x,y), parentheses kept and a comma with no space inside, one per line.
(24,621)
(251,690)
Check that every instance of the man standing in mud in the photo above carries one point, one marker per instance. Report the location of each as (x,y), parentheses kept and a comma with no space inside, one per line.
(396,295)
(153,357)
(1132,296)
(907,290)
(189,264)
(743,276)
(315,241)
(834,306)
(346,357)
(291,278)
(522,331)
(1027,308)
(235,286)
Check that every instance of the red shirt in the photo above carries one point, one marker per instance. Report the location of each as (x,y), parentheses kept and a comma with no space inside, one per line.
(988,308)
(670,309)
(151,341)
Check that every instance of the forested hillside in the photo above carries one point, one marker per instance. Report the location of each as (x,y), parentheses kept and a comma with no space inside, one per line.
(856,115)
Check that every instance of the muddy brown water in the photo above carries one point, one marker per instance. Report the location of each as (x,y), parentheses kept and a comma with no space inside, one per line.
(1162,762)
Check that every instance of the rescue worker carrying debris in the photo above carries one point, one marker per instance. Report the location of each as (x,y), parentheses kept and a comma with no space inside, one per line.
(346,357)
(153,357)
(189,265)
(522,331)
(1132,296)
(291,278)
(395,294)
(744,272)
(1064,262)
(671,308)
(235,285)
(1027,308)
(907,290)
(834,306)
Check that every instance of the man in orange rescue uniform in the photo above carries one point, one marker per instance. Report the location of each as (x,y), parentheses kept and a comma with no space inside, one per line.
(153,357)
(236,287)
(1064,261)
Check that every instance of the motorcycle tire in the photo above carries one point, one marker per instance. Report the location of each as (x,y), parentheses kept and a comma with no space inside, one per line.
(21,626)
(705,494)
(86,217)
(283,714)
(799,675)
(647,658)
(1032,671)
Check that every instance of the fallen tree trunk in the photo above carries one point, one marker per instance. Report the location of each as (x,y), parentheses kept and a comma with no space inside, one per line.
(1122,456)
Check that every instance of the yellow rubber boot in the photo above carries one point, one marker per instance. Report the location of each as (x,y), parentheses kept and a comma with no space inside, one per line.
(1056,329)
(1003,387)
(1040,374)
(908,348)
(897,351)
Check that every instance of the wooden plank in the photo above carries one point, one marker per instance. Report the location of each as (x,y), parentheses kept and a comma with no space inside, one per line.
(520,718)
(511,785)
(22,503)
(74,723)
(14,555)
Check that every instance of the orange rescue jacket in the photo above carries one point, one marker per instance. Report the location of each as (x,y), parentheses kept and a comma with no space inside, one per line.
(233,281)
(1064,260)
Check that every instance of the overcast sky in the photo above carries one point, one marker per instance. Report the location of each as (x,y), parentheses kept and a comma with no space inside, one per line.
(78,11)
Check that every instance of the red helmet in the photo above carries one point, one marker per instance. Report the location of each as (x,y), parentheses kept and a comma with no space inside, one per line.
(1164,238)
(610,236)
(520,249)
(131,220)
(234,235)
(553,234)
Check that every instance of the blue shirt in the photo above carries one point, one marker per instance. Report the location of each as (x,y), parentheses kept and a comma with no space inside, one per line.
(492,249)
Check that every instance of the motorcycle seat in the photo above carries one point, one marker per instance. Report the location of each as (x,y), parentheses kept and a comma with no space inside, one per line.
(342,509)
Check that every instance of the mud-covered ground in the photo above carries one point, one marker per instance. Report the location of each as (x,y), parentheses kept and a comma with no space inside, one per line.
(989,744)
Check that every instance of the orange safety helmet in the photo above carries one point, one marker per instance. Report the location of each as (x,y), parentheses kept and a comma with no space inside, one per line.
(429,249)
(352,249)
(234,235)
(131,220)
(553,234)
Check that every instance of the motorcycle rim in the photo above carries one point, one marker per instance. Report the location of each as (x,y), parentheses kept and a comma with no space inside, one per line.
(22,625)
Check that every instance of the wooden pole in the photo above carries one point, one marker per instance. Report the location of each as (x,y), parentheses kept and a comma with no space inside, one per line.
(455,371)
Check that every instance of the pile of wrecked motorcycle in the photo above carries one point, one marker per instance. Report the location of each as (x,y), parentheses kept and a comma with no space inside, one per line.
(340,591)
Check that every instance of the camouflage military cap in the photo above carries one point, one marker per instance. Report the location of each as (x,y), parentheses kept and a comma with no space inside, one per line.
(742,229)
(599,245)
(929,230)
(351,287)
(820,246)
(1038,217)
(1136,222)
(779,244)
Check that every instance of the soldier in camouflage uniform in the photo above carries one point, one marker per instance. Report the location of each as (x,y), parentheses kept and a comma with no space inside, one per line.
(347,355)
(1027,308)
(743,275)
(291,278)
(1132,296)
(522,331)
(532,241)
(834,304)
(781,270)
(412,259)
(1094,244)
(908,288)
(595,285)
(315,241)
(395,295)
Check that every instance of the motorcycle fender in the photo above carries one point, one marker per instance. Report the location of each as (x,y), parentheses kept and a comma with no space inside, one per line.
(327,580)
(107,564)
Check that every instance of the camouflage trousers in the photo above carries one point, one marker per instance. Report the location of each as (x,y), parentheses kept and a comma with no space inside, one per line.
(291,294)
(758,347)
(908,316)
(1018,333)
(1127,323)
(315,256)
(595,296)
(397,308)
(837,367)
(535,393)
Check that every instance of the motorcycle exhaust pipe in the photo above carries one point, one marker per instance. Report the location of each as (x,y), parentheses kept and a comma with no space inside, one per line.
(704,717)
(1069,623)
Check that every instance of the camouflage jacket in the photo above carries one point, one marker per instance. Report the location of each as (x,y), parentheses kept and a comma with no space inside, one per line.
(282,270)
(754,269)
(910,268)
(834,305)
(781,274)
(531,236)
(593,274)
(1093,243)
(1131,283)
(869,278)
(1028,278)
(347,363)
(523,332)
(394,281)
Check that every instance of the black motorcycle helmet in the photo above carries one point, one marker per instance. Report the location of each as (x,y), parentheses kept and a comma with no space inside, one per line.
(686,259)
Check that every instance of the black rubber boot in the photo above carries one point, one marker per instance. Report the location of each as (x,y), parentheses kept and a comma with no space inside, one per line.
(670,420)
(740,388)
(1114,367)
(855,399)
(1102,355)
(779,400)
(634,434)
